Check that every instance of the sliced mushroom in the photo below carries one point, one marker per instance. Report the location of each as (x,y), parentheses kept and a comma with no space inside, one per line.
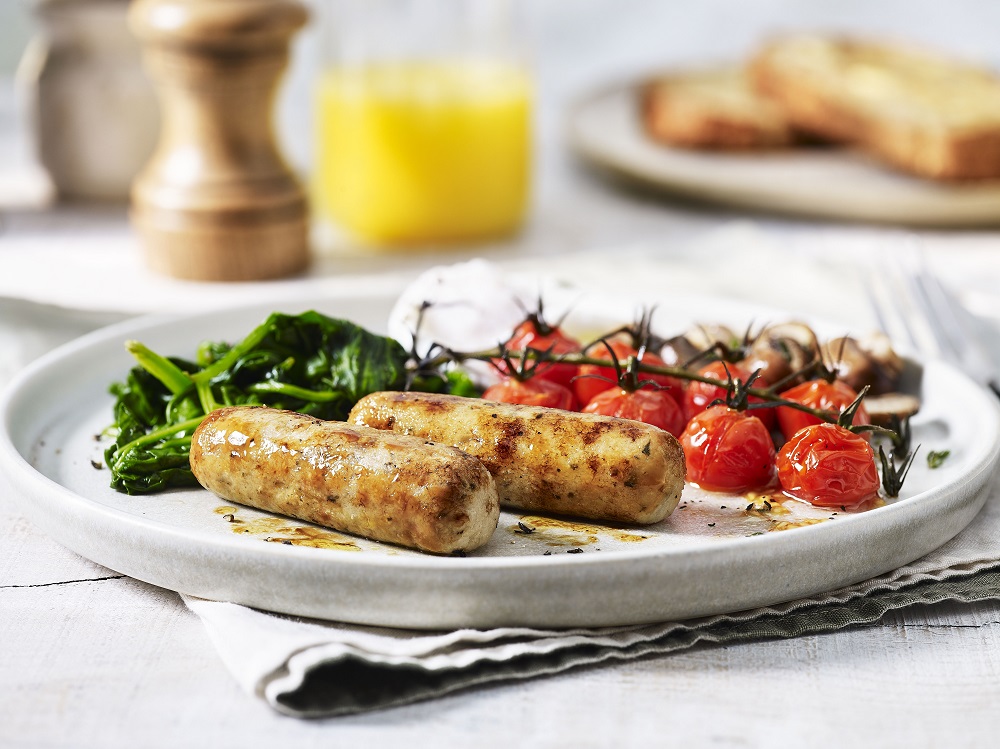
(678,351)
(691,347)
(705,336)
(869,361)
(883,409)
(781,351)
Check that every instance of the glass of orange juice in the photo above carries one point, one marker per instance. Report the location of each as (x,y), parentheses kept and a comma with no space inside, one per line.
(423,121)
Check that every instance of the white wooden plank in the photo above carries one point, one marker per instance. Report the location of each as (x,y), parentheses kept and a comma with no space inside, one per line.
(109,662)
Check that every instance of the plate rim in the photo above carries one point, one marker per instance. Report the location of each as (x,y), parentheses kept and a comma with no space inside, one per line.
(18,465)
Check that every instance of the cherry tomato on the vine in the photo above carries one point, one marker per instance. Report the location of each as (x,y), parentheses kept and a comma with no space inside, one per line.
(728,450)
(647,405)
(534,391)
(541,337)
(828,466)
(832,397)
(586,387)
(700,394)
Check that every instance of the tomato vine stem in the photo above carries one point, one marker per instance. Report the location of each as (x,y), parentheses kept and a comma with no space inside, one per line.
(449,356)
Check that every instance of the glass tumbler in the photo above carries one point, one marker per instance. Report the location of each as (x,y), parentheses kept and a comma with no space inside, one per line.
(423,120)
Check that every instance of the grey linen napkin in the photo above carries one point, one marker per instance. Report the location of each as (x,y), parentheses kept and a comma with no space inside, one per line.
(310,668)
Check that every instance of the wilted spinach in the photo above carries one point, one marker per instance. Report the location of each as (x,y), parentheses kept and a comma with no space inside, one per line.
(309,363)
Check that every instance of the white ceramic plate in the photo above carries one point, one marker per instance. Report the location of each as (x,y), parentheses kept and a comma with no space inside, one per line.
(705,559)
(828,183)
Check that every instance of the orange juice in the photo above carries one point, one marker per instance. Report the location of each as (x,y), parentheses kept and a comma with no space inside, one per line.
(422,152)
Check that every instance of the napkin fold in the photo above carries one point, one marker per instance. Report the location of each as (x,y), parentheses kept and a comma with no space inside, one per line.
(310,668)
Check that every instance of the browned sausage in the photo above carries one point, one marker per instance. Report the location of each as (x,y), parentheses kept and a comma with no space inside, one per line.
(544,459)
(404,490)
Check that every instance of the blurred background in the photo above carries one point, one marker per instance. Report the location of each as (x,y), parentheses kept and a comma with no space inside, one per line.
(578,44)
(575,47)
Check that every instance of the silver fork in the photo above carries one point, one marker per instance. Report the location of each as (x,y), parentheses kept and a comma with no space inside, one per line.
(912,305)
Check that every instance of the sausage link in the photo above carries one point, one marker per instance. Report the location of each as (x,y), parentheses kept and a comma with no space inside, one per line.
(394,488)
(544,459)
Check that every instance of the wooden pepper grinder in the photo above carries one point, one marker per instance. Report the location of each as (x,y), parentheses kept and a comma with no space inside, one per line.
(217,202)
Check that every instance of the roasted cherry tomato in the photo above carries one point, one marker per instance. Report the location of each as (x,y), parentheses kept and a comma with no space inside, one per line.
(832,397)
(534,391)
(728,451)
(539,336)
(650,406)
(700,394)
(588,387)
(829,466)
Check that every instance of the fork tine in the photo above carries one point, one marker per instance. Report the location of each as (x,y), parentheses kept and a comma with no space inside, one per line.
(959,329)
(962,336)
(943,318)
(911,304)
(891,297)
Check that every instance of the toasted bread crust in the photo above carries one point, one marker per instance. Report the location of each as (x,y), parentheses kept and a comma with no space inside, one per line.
(916,111)
(711,109)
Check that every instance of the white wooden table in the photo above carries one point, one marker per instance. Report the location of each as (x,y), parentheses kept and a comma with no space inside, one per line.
(93,659)
(89,658)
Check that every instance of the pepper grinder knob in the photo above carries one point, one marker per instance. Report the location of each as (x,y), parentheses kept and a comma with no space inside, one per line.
(217,202)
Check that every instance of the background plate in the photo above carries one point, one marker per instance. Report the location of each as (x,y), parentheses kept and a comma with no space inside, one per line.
(829,183)
(682,567)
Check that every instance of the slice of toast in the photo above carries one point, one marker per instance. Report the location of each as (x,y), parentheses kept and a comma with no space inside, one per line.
(915,110)
(712,109)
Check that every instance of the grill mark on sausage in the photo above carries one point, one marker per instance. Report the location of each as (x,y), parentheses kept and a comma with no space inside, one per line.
(352,478)
(506,443)
(595,431)
(614,469)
